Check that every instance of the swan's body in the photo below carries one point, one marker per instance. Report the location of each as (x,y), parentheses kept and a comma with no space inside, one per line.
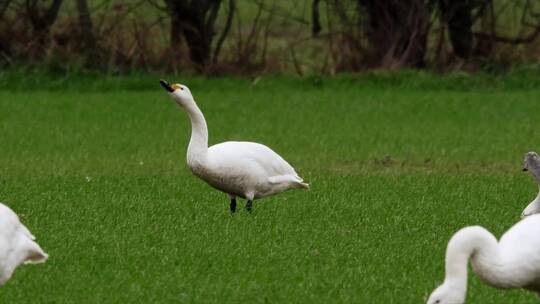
(17,245)
(513,262)
(248,170)
(531,163)
(244,169)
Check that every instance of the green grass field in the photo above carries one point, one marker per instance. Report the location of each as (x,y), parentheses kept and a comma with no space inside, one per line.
(98,173)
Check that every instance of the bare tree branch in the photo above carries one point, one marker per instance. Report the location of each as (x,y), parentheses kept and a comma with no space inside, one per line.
(280,12)
(159,7)
(315,18)
(228,24)
(511,40)
(52,12)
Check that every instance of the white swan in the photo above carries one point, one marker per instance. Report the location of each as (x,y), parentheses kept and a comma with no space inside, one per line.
(513,262)
(531,163)
(17,245)
(244,169)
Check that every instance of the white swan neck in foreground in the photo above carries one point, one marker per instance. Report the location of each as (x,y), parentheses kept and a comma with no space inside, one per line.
(513,262)
(469,242)
(531,163)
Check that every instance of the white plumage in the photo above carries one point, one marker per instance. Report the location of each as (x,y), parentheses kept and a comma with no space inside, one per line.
(17,245)
(531,163)
(244,169)
(513,262)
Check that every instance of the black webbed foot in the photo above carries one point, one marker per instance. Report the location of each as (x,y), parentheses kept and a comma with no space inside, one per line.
(249,206)
(233,205)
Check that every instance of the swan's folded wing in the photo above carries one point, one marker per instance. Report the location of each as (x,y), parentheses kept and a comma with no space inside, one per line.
(241,154)
(294,181)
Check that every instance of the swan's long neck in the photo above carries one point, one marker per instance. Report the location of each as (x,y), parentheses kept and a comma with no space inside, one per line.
(537,198)
(470,242)
(534,206)
(535,171)
(198,144)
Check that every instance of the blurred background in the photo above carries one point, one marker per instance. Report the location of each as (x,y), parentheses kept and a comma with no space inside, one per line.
(409,118)
(244,37)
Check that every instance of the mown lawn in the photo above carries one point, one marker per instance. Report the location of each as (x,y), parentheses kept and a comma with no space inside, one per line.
(99,175)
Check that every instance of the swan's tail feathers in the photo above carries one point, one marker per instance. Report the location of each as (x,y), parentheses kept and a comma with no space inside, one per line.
(303,185)
(290,180)
(300,183)
(35,254)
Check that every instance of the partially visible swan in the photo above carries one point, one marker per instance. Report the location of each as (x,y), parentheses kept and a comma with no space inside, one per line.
(531,163)
(17,245)
(244,169)
(513,262)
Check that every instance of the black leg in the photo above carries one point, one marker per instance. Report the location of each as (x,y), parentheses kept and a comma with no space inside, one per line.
(249,206)
(233,205)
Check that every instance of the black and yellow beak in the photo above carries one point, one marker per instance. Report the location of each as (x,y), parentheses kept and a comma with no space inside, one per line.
(166,85)
(170,87)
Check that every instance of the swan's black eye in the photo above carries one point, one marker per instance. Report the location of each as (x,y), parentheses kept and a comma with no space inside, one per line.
(181,88)
(438,301)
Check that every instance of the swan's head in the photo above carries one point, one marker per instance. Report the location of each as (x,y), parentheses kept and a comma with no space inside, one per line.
(179,92)
(447,294)
(531,162)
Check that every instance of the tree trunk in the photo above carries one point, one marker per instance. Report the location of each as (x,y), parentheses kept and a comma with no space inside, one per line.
(42,21)
(195,20)
(88,41)
(397,31)
(176,23)
(226,29)
(457,14)
(315,18)
(5,46)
